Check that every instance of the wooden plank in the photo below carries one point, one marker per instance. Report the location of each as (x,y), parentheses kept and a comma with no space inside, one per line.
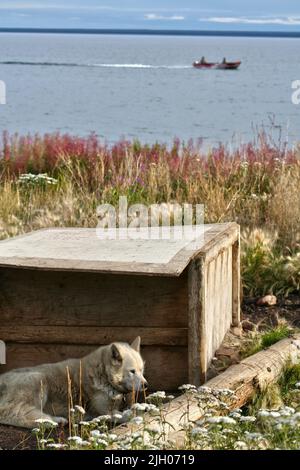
(196,337)
(221,242)
(165,366)
(91,335)
(91,299)
(73,249)
(218,300)
(236,284)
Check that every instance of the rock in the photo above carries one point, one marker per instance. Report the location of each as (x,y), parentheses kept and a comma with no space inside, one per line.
(274,318)
(228,354)
(237,331)
(267,301)
(248,325)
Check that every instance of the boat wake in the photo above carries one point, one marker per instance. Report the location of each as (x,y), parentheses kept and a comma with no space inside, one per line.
(69,64)
(143,66)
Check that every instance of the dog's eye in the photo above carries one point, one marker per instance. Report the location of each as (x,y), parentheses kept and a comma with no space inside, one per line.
(132,371)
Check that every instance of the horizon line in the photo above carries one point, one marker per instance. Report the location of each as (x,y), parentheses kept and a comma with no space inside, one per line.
(154,32)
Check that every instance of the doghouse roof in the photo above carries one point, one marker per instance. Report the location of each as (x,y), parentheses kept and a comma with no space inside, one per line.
(76,249)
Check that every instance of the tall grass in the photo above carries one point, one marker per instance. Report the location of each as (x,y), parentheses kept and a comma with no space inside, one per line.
(256,185)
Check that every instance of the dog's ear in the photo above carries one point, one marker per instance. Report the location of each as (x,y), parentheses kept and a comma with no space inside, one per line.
(115,353)
(136,344)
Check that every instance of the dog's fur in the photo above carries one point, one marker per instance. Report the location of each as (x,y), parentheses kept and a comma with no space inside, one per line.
(107,374)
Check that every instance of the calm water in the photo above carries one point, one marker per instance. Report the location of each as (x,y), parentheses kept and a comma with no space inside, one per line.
(145,87)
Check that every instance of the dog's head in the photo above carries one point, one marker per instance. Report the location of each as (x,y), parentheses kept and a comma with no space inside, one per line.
(126,367)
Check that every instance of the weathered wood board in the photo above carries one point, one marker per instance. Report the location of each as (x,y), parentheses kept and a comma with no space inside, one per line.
(73,249)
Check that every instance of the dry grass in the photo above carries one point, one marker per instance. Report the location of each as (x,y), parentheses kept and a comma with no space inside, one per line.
(256,185)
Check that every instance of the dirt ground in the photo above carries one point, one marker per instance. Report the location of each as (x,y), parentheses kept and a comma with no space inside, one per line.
(256,318)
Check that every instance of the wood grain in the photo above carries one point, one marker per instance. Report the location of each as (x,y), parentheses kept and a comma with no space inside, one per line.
(92,335)
(236,284)
(89,299)
(197,340)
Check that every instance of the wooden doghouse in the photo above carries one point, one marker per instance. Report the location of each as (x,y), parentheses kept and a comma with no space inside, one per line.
(64,292)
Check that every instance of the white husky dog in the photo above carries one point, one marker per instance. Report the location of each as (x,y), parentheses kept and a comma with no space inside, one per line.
(107,376)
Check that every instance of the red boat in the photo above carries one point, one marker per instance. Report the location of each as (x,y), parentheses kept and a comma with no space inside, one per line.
(217,65)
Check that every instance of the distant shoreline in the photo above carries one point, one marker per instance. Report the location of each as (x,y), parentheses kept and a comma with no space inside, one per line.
(155,32)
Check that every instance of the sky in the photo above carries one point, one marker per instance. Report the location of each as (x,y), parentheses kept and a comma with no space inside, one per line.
(251,15)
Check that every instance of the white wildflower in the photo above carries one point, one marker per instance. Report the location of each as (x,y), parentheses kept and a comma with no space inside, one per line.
(102,442)
(140,407)
(252,436)
(204,390)
(155,429)
(117,416)
(144,407)
(226,392)
(160,395)
(287,411)
(214,420)
(247,419)
(199,431)
(84,443)
(80,409)
(101,419)
(95,433)
(138,420)
(274,414)
(240,445)
(263,413)
(187,387)
(227,420)
(46,421)
(76,439)
(56,446)
(126,415)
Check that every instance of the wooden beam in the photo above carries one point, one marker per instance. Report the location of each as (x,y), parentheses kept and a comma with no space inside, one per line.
(91,335)
(196,337)
(236,284)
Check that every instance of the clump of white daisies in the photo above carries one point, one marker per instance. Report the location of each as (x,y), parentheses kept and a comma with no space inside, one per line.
(220,427)
(30,180)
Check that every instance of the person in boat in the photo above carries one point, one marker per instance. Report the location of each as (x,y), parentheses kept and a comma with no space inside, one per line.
(202,61)
(224,61)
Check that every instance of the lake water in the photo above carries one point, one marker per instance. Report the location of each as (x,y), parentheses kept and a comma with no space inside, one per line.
(145,86)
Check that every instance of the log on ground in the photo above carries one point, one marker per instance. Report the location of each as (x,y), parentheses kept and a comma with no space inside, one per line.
(250,376)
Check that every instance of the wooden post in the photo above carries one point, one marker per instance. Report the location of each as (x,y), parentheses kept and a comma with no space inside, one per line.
(236,283)
(197,363)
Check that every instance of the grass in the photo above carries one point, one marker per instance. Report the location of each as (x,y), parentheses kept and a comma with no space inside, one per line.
(265,340)
(257,185)
(275,335)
